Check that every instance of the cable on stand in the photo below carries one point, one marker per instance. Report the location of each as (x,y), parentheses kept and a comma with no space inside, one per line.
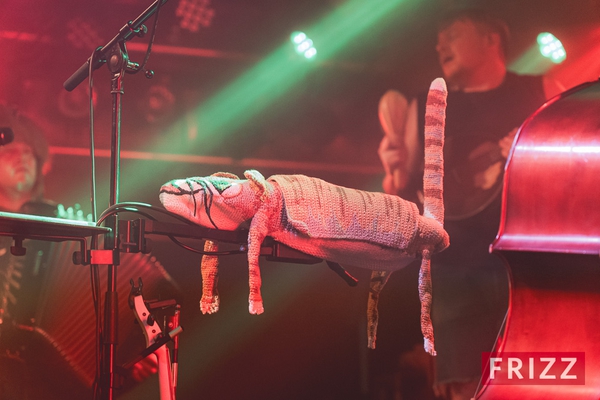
(114,54)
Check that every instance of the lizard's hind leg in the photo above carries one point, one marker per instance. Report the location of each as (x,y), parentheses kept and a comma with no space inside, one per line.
(378,281)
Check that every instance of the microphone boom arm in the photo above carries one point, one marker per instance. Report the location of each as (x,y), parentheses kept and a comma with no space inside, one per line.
(99,57)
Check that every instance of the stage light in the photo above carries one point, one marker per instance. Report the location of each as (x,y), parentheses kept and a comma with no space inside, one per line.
(194,13)
(310,53)
(303,45)
(255,90)
(551,48)
(298,37)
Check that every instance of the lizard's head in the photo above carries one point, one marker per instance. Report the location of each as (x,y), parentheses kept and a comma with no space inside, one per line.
(219,201)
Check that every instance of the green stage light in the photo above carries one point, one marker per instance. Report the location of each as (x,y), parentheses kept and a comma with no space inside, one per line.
(298,37)
(303,45)
(268,80)
(310,53)
(551,48)
(212,122)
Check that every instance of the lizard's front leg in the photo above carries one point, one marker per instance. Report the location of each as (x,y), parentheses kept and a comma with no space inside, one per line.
(256,236)
(210,276)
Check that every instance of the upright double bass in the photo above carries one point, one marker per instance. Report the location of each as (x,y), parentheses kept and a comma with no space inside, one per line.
(549,237)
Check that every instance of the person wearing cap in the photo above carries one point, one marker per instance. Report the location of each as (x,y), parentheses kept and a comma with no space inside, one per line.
(23,164)
(23,161)
(28,365)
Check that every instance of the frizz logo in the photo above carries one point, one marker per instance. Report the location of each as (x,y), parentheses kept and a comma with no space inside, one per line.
(539,368)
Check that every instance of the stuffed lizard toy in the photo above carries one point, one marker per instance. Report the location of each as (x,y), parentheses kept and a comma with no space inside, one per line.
(351,227)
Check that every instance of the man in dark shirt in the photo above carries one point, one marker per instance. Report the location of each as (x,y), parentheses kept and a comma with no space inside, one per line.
(486,105)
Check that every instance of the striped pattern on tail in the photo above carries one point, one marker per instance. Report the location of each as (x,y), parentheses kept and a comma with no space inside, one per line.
(435,116)
(433,190)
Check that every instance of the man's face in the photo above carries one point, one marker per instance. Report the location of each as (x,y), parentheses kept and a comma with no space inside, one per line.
(461,48)
(17,168)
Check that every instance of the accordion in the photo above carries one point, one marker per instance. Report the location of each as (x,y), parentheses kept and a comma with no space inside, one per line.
(48,299)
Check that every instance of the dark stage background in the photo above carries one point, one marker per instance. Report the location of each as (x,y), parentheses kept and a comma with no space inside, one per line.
(310,343)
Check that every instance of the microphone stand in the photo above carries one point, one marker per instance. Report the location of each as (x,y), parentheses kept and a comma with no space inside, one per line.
(117,64)
(114,53)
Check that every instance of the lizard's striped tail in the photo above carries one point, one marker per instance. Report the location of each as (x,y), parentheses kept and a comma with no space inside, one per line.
(433,189)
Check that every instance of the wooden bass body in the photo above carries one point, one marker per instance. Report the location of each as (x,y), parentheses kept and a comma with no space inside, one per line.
(549,237)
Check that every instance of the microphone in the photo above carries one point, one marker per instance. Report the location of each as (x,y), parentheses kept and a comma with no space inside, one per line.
(6,135)
(125,33)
